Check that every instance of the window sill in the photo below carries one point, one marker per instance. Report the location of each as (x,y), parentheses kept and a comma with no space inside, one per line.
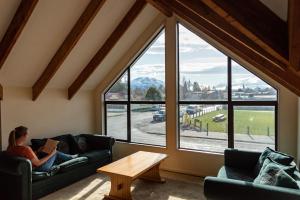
(142,144)
(201,151)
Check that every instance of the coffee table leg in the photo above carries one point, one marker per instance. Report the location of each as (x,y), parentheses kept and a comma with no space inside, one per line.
(153,175)
(120,188)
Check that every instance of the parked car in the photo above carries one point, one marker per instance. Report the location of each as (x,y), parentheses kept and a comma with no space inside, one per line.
(192,109)
(219,118)
(159,116)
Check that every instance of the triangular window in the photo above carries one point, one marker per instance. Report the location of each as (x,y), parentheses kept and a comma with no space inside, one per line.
(119,90)
(248,87)
(135,104)
(147,74)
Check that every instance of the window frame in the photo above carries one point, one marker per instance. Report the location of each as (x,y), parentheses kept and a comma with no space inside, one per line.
(129,101)
(229,102)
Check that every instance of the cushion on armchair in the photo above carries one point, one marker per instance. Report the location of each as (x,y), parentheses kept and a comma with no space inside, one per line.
(276,156)
(273,173)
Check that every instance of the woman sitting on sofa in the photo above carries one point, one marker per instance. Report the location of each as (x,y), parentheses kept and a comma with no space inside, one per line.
(17,147)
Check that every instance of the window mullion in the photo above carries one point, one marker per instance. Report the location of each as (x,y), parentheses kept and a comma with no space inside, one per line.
(230,127)
(128,107)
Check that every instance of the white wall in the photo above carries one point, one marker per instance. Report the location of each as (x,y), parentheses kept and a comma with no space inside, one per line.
(52,114)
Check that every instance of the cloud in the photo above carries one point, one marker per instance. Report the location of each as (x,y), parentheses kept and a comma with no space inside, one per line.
(190,42)
(204,65)
(150,70)
(156,49)
(158,45)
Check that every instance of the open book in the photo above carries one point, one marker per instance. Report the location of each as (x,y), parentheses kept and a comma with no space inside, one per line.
(49,146)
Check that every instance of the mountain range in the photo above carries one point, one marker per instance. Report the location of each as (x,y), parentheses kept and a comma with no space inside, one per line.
(146,82)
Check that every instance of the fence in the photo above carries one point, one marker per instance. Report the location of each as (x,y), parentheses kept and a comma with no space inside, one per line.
(191,122)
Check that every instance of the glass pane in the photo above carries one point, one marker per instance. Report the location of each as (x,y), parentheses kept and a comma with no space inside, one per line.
(147,74)
(204,127)
(148,124)
(254,127)
(117,121)
(202,68)
(246,86)
(118,92)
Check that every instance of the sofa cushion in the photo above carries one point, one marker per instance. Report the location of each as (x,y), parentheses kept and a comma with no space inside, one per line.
(82,144)
(73,163)
(96,155)
(290,169)
(63,147)
(37,143)
(276,156)
(235,173)
(275,174)
(66,144)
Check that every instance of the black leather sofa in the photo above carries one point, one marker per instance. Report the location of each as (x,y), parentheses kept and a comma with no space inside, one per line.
(235,181)
(19,182)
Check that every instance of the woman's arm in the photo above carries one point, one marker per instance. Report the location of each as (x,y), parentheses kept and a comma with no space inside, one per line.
(38,162)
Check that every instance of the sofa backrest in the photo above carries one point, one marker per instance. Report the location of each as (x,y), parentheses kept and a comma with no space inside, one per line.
(68,144)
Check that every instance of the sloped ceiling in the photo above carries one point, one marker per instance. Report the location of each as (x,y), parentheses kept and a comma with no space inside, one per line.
(49,24)
(7,11)
(279,7)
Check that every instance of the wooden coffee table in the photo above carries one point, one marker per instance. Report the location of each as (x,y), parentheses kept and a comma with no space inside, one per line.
(123,172)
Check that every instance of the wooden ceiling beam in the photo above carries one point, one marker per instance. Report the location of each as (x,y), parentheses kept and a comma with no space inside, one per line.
(294,33)
(106,47)
(285,77)
(15,28)
(257,22)
(66,47)
(161,6)
(201,9)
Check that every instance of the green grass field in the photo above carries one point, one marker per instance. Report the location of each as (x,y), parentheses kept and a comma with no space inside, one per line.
(257,121)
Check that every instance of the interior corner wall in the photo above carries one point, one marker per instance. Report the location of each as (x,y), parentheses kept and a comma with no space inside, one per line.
(50,115)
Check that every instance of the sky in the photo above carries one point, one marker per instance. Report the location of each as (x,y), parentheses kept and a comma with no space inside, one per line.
(198,62)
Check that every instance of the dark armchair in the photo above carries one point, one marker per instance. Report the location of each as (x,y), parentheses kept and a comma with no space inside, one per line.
(234,181)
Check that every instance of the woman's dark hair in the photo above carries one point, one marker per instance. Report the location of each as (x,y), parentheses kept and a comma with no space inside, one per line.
(16,134)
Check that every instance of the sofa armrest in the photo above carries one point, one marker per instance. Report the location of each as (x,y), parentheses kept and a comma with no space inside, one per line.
(230,189)
(99,142)
(241,159)
(15,177)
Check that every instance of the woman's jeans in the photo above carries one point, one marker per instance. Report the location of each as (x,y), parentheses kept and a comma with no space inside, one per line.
(56,159)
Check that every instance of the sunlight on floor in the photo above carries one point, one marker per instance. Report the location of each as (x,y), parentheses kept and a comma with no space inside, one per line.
(177,187)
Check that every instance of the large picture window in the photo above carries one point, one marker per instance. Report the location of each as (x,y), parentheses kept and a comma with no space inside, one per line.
(221,104)
(135,103)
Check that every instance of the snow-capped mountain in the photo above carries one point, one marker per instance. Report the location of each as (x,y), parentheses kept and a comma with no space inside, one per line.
(146,82)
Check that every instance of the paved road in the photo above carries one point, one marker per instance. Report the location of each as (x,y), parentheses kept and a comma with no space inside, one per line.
(144,130)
